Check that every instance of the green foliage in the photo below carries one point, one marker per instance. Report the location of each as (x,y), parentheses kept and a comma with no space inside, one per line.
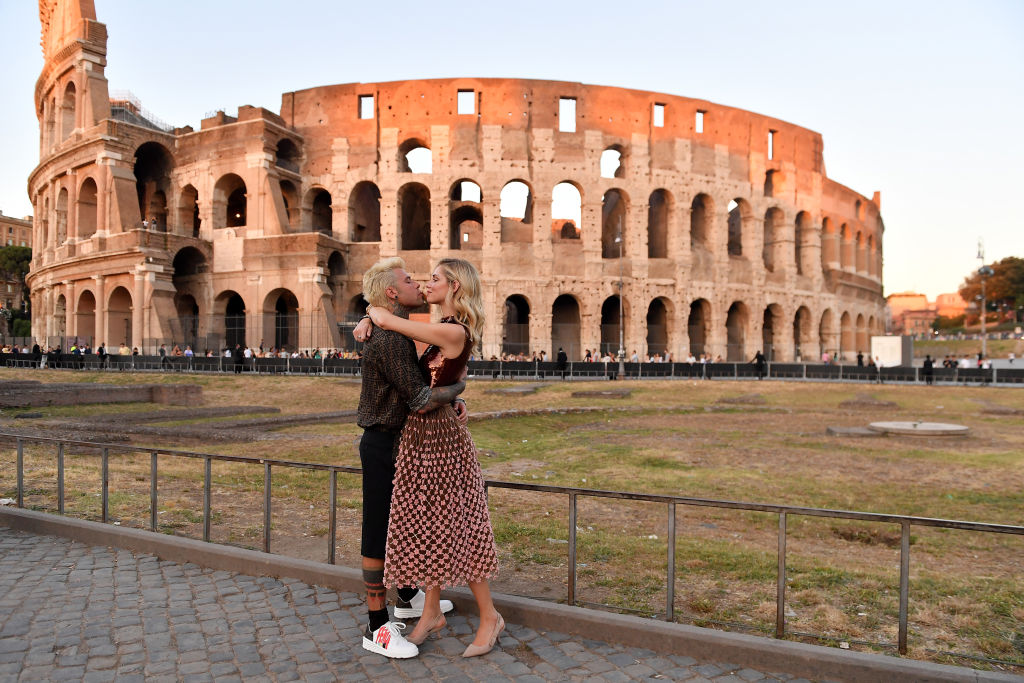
(14,262)
(22,328)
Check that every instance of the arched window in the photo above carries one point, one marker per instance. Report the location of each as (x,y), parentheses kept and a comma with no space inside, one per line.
(364,213)
(188,211)
(565,326)
(772,228)
(829,248)
(86,224)
(658,206)
(802,336)
(802,227)
(61,216)
(739,213)
(614,209)
(658,318)
(769,184)
(229,323)
(736,321)
(845,247)
(323,216)
(85,318)
(516,335)
(698,324)
(611,325)
(414,157)
(612,165)
(516,211)
(770,327)
(701,211)
(465,216)
(229,202)
(119,315)
(153,165)
(566,211)
(287,156)
(414,217)
(67,112)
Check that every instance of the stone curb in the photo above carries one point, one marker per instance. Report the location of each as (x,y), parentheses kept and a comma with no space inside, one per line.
(765,654)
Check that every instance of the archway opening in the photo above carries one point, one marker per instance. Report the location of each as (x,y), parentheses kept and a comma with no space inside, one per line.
(737,210)
(613,224)
(802,335)
(697,326)
(657,328)
(657,224)
(323,216)
(772,228)
(290,196)
(85,318)
(188,211)
(566,211)
(364,213)
(415,157)
(414,217)
(516,211)
(281,310)
(465,216)
(769,329)
(736,321)
(153,165)
(516,339)
(287,156)
(612,163)
(87,209)
(611,326)
(229,202)
(565,326)
(119,315)
(701,212)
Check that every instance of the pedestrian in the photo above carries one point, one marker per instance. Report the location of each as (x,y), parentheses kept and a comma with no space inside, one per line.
(929,371)
(759,362)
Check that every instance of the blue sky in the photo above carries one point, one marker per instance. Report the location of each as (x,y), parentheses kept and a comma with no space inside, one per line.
(923,101)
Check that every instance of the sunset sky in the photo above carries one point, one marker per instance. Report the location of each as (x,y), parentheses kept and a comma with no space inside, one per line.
(923,101)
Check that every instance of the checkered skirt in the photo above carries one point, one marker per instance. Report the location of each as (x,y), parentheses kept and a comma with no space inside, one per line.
(439,533)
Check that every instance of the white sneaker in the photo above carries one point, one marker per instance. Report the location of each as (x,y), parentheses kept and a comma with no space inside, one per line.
(389,641)
(414,608)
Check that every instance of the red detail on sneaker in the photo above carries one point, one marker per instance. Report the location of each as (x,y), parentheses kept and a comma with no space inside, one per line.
(383,636)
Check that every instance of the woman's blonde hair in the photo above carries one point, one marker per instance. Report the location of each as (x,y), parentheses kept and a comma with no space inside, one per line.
(467,301)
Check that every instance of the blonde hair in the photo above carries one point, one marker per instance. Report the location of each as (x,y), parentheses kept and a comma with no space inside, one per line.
(378,278)
(467,301)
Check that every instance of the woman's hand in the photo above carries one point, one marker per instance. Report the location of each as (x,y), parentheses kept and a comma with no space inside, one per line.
(362,331)
(380,316)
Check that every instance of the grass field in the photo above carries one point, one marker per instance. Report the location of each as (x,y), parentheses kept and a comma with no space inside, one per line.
(668,437)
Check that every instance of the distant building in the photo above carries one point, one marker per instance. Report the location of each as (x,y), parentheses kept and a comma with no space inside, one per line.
(950,305)
(912,313)
(15,232)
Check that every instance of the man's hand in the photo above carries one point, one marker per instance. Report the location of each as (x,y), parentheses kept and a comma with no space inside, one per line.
(361,332)
(461,412)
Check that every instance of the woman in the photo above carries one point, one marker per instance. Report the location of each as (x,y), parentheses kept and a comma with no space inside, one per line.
(439,533)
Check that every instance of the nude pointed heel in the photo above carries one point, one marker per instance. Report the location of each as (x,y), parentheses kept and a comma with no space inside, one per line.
(439,623)
(477,650)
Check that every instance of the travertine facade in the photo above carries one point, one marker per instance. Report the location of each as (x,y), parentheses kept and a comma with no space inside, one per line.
(733,238)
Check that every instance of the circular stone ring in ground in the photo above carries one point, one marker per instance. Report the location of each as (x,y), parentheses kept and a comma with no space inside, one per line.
(919,428)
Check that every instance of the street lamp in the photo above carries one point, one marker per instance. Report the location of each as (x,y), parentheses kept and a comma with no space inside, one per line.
(983,272)
(622,350)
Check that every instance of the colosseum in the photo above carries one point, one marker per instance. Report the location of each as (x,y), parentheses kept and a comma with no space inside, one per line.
(691,226)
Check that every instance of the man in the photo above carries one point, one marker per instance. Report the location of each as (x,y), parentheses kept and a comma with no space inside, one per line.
(391,386)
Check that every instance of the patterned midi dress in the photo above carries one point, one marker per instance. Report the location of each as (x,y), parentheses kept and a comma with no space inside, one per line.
(439,533)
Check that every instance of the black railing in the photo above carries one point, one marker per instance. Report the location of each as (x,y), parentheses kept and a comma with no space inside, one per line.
(573,494)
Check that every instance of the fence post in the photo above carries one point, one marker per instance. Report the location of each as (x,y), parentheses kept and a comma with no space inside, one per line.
(207,476)
(152,491)
(266,506)
(21,474)
(104,503)
(572,548)
(780,591)
(332,522)
(60,478)
(670,599)
(904,584)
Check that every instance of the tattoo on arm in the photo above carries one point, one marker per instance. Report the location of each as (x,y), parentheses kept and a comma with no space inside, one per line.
(440,396)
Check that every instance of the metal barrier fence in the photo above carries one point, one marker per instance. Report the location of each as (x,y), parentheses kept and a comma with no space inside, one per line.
(526,369)
(573,494)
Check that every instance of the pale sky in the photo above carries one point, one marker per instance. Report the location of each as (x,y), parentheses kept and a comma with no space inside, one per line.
(921,100)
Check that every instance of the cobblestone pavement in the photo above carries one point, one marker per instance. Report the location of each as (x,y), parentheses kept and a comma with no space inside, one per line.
(69,611)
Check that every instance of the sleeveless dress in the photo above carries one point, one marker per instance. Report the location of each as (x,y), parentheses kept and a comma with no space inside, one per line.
(439,532)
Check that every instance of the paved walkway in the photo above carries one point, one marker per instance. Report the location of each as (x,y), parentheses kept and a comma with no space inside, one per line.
(69,611)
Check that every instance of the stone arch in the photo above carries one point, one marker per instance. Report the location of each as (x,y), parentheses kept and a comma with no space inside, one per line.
(414,156)
(85,224)
(85,316)
(357,307)
(230,202)
(829,246)
(336,282)
(659,326)
(862,344)
(698,325)
(769,183)
(802,335)
(318,200)
(826,333)
(737,319)
(119,315)
(62,216)
(516,212)
(229,321)
(801,228)
(611,325)
(414,217)
(153,166)
(738,220)
(567,210)
(613,162)
(773,218)
(281,319)
(364,213)
(287,155)
(188,211)
(614,210)
(659,208)
(187,310)
(847,335)
(565,326)
(702,211)
(846,257)
(189,262)
(60,316)
(771,326)
(515,336)
(67,111)
(292,210)
(465,215)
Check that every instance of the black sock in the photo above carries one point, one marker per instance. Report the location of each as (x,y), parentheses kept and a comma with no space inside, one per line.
(407,593)
(378,617)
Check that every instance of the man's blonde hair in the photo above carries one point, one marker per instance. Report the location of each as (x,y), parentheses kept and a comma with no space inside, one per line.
(378,278)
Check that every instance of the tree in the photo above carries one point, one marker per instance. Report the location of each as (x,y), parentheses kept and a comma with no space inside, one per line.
(14,263)
(1004,286)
